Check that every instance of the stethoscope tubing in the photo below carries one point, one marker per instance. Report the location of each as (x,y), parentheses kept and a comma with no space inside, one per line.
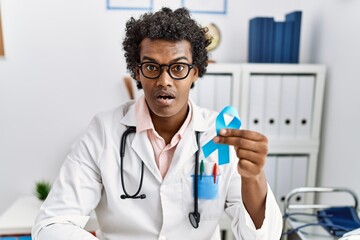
(194,216)
(122,154)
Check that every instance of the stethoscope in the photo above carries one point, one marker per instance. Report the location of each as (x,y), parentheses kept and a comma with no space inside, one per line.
(194,216)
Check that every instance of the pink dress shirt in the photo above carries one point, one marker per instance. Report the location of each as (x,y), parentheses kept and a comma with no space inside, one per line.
(163,153)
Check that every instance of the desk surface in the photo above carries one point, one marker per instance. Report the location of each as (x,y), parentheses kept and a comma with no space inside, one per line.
(20,217)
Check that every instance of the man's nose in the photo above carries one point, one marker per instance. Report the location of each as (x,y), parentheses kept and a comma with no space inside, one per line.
(164,79)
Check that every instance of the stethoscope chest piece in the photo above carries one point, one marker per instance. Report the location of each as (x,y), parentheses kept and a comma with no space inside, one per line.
(194,218)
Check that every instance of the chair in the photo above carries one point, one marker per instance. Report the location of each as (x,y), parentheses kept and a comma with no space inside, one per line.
(301,213)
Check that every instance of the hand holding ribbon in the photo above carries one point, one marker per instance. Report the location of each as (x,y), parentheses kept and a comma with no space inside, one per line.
(223,149)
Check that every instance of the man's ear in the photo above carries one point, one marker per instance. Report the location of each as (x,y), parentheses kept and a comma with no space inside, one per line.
(137,73)
(196,74)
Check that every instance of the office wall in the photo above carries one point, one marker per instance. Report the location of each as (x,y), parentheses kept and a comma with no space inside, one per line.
(64,63)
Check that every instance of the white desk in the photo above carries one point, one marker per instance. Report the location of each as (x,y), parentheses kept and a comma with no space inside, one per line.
(19,218)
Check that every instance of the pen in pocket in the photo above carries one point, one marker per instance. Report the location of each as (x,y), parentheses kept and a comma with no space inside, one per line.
(202,168)
(215,170)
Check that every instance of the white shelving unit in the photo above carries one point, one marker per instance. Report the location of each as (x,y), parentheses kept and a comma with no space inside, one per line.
(240,92)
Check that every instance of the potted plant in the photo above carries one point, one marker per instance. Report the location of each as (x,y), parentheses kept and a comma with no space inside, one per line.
(42,189)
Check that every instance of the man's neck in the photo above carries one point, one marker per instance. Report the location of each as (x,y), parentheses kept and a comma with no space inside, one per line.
(168,127)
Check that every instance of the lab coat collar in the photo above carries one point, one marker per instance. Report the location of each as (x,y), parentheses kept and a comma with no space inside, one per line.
(129,118)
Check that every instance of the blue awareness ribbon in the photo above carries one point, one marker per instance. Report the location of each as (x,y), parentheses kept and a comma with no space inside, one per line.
(223,149)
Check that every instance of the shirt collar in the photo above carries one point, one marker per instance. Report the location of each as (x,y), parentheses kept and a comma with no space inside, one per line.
(144,121)
(198,117)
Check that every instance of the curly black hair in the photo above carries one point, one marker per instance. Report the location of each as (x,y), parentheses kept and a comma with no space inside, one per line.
(168,25)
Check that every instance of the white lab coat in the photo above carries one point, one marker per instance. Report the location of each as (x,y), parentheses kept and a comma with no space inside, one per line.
(90,179)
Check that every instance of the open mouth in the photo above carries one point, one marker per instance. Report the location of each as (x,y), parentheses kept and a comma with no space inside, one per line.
(165,97)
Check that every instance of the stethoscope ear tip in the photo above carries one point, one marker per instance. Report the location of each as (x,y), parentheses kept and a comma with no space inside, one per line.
(142,196)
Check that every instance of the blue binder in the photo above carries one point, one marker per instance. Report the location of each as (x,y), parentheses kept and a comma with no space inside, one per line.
(255,40)
(267,40)
(295,17)
(288,39)
(278,42)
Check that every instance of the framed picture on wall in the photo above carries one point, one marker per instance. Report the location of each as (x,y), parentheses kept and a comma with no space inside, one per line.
(2,52)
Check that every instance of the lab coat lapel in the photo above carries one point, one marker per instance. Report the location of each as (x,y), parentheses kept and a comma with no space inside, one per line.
(141,144)
(184,153)
(187,147)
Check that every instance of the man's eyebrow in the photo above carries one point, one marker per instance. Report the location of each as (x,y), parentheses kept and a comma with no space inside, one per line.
(148,58)
(179,58)
(172,61)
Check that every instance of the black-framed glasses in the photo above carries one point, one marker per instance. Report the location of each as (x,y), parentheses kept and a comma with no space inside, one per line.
(177,70)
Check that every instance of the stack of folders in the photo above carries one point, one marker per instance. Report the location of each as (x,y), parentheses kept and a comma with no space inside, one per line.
(275,42)
(213,91)
(16,238)
(281,105)
(284,173)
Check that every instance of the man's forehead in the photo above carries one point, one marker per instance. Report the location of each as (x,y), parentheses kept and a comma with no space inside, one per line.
(164,48)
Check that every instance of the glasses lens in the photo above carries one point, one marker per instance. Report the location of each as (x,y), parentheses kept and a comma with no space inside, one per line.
(179,70)
(150,70)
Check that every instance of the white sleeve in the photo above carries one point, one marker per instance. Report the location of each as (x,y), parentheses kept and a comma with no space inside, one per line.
(242,224)
(75,193)
(63,231)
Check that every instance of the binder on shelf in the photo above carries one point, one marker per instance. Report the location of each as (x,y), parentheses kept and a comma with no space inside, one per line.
(267,40)
(278,42)
(261,39)
(299,174)
(288,39)
(213,91)
(207,92)
(288,106)
(272,106)
(255,34)
(270,172)
(256,103)
(295,18)
(275,42)
(223,91)
(284,175)
(305,102)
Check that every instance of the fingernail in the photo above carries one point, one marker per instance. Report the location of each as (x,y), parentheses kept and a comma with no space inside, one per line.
(223,131)
(216,139)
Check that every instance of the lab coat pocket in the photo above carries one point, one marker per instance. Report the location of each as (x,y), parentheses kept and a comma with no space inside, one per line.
(208,187)
(209,203)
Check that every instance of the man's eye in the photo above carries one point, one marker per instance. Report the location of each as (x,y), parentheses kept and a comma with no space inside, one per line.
(178,68)
(151,68)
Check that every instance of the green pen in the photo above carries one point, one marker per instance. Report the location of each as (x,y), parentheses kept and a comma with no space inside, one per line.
(202,168)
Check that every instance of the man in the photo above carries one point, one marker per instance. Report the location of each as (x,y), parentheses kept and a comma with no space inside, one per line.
(149,193)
